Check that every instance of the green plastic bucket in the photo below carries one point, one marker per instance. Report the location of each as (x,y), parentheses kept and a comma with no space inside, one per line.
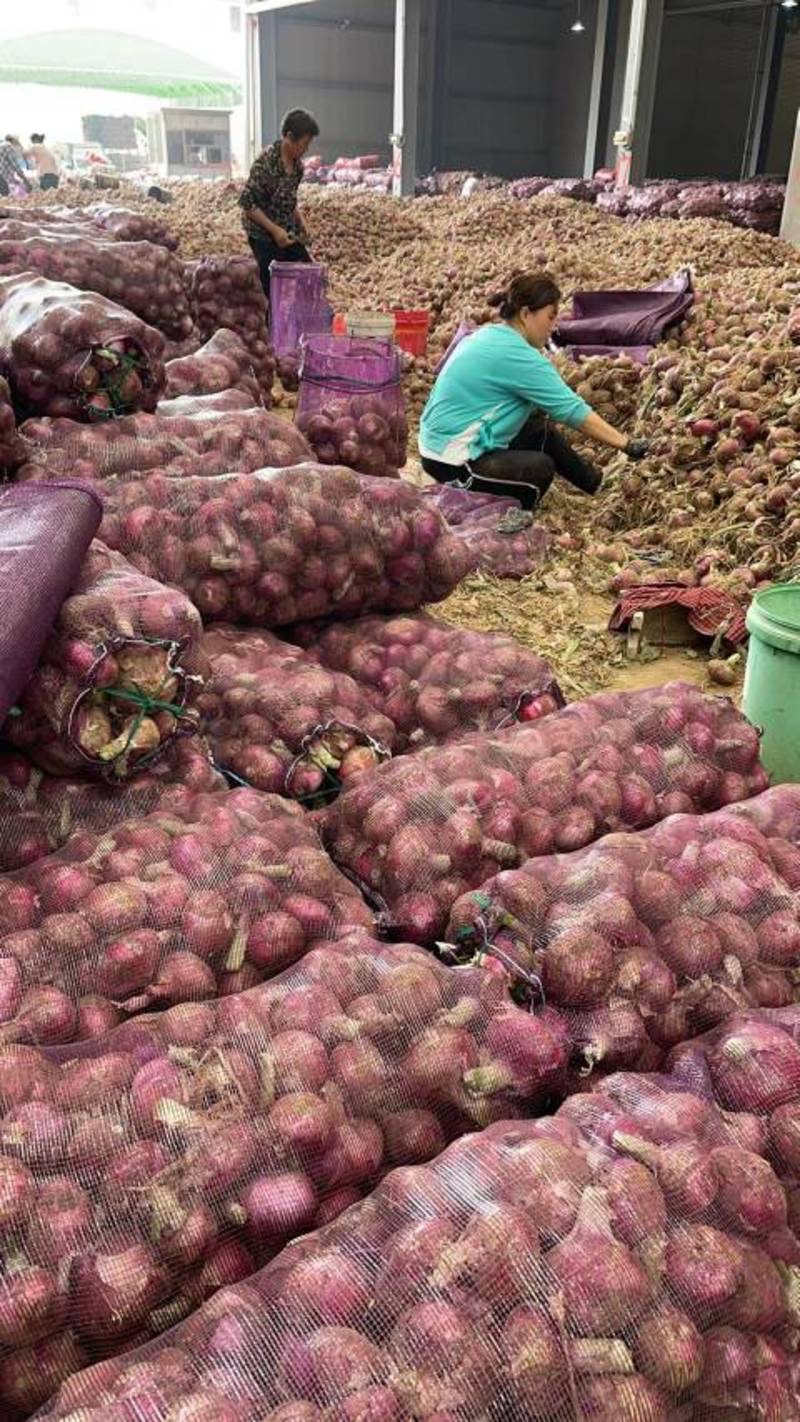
(772,679)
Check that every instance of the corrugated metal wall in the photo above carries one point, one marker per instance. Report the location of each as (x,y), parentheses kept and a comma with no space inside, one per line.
(515,89)
(499,90)
(703,94)
(337,59)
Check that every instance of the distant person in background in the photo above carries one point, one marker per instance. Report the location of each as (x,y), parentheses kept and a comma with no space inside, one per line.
(12,173)
(20,151)
(43,161)
(268,200)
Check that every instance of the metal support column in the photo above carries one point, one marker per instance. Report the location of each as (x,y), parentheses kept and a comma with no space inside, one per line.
(790,222)
(253,138)
(268,75)
(408,25)
(761,87)
(596,90)
(632,139)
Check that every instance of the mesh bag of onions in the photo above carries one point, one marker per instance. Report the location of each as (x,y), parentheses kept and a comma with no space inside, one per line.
(117,675)
(40,812)
(126,226)
(433,681)
(226,292)
(650,938)
(750,1065)
(223,363)
(350,406)
(278,721)
(537,1271)
(420,832)
(74,353)
(281,545)
(45,531)
(146,277)
(298,307)
(206,895)
(498,535)
(210,434)
(179,1153)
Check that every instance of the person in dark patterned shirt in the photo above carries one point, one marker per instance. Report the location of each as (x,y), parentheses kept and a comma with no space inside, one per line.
(11,169)
(268,200)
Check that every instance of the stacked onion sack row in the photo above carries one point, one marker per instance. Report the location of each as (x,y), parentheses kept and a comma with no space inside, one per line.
(418,833)
(203,434)
(66,352)
(646,940)
(100,220)
(539,1270)
(208,894)
(143,276)
(178,1154)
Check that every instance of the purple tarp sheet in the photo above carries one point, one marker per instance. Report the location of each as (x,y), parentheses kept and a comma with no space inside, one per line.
(626,318)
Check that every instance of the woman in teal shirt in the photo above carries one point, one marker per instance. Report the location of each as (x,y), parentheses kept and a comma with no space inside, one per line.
(487,421)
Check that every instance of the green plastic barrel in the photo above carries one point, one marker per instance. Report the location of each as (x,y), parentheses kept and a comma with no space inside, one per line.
(772,679)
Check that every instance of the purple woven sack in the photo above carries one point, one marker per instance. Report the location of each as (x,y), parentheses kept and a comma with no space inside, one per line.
(45,530)
(626,318)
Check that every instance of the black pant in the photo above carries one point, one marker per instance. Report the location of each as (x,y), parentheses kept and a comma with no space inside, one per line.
(526,469)
(266,251)
(48,180)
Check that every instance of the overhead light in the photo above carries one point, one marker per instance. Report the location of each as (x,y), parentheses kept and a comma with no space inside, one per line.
(578,27)
(789,4)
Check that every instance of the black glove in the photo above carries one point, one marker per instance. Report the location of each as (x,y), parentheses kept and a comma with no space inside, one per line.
(636,449)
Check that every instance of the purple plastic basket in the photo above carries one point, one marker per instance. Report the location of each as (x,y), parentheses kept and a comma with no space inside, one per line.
(298,304)
(351,407)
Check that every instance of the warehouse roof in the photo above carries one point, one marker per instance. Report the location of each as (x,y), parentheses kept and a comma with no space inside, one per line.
(105,59)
